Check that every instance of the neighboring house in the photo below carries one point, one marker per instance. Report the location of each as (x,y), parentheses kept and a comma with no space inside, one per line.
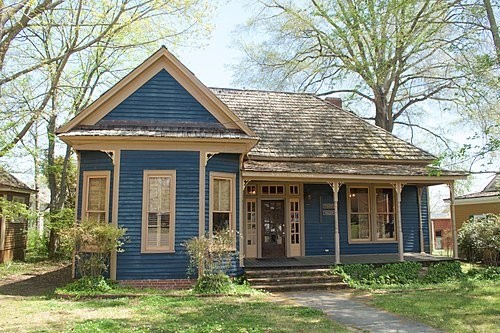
(441,231)
(480,203)
(288,174)
(13,233)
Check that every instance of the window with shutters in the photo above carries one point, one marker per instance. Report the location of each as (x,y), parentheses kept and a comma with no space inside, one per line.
(158,225)
(223,203)
(95,205)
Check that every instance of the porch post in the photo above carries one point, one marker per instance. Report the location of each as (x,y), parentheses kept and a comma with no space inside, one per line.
(399,187)
(336,187)
(420,223)
(451,186)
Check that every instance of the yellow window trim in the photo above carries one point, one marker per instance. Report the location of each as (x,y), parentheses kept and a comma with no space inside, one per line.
(87,175)
(232,216)
(145,203)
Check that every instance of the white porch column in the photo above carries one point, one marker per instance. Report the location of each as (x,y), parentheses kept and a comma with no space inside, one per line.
(399,188)
(336,187)
(420,223)
(451,186)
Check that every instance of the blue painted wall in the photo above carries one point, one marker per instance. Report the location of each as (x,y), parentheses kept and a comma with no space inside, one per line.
(161,99)
(94,161)
(131,263)
(319,234)
(229,163)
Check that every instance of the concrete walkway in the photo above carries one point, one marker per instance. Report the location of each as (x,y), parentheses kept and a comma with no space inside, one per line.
(342,308)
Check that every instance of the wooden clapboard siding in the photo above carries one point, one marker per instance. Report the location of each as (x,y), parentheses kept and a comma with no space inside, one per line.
(224,163)
(15,236)
(319,233)
(319,230)
(94,161)
(163,99)
(132,264)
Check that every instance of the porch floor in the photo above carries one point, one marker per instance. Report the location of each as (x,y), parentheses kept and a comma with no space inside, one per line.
(328,260)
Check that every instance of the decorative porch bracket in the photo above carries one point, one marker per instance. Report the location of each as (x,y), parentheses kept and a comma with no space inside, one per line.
(209,155)
(451,186)
(420,223)
(335,185)
(398,187)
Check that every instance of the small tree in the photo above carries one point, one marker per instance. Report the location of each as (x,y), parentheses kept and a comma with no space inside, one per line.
(479,238)
(93,242)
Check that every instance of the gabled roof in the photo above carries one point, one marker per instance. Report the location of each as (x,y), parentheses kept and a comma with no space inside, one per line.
(490,191)
(10,183)
(303,126)
(161,60)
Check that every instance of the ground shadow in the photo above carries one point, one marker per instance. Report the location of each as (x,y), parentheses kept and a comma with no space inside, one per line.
(40,285)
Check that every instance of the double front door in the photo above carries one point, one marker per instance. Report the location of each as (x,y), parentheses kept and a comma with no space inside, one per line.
(273,228)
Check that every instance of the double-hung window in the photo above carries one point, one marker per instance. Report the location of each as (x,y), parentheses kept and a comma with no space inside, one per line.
(96,195)
(223,204)
(371,214)
(158,222)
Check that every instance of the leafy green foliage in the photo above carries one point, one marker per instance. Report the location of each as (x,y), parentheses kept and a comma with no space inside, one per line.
(368,274)
(444,271)
(11,210)
(488,273)
(479,239)
(93,241)
(37,246)
(90,285)
(213,284)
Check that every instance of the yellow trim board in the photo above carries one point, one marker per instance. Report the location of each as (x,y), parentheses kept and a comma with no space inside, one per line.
(162,59)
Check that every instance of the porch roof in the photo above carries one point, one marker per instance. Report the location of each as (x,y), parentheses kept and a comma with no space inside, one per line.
(350,170)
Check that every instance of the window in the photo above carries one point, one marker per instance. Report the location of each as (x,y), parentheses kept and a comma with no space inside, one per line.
(251,221)
(294,221)
(272,189)
(294,189)
(158,211)
(371,214)
(222,203)
(385,213)
(96,195)
(251,190)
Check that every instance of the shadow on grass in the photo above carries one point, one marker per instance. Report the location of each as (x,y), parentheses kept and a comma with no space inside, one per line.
(40,285)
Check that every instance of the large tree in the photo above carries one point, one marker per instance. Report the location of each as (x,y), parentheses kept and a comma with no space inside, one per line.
(393,54)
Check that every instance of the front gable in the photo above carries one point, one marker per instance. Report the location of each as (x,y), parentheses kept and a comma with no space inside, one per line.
(159,90)
(161,99)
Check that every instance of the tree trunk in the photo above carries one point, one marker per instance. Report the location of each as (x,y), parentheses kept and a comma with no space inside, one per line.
(383,113)
(493,27)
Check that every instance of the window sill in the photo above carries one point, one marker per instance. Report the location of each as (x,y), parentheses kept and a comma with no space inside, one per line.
(156,251)
(390,241)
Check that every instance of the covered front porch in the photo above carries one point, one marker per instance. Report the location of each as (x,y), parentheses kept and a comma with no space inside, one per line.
(329,260)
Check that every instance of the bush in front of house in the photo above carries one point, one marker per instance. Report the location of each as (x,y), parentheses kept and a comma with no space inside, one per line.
(479,239)
(93,242)
(212,257)
(443,271)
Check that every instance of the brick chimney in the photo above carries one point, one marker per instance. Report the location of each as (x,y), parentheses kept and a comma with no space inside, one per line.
(335,101)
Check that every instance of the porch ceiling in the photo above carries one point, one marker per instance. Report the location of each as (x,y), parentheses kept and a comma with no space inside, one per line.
(253,169)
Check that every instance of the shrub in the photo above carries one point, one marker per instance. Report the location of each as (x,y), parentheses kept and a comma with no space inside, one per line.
(37,246)
(90,284)
(488,273)
(399,273)
(479,239)
(93,241)
(213,284)
(444,271)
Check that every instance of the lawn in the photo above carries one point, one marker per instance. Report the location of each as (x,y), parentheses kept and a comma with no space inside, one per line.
(258,313)
(463,306)
(14,269)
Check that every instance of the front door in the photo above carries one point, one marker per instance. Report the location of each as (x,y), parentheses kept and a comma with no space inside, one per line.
(273,228)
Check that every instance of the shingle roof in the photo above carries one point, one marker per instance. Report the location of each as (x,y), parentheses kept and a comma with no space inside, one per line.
(491,190)
(9,181)
(345,168)
(294,125)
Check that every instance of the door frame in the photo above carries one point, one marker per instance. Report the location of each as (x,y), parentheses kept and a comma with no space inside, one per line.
(261,226)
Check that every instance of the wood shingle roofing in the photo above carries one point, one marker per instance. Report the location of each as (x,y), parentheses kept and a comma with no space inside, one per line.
(297,125)
(9,182)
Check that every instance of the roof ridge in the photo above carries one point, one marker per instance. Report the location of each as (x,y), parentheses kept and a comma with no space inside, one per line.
(265,91)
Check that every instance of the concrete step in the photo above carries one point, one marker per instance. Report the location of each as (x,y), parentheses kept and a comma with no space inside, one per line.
(286,272)
(301,287)
(293,279)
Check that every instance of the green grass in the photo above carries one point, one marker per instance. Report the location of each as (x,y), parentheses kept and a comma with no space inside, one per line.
(462,306)
(257,313)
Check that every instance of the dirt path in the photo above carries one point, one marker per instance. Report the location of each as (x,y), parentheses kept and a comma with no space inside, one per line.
(37,283)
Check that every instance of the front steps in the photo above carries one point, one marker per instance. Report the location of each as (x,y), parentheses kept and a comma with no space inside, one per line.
(293,279)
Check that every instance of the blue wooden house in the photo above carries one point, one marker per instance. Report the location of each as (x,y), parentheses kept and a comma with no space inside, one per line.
(289,175)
